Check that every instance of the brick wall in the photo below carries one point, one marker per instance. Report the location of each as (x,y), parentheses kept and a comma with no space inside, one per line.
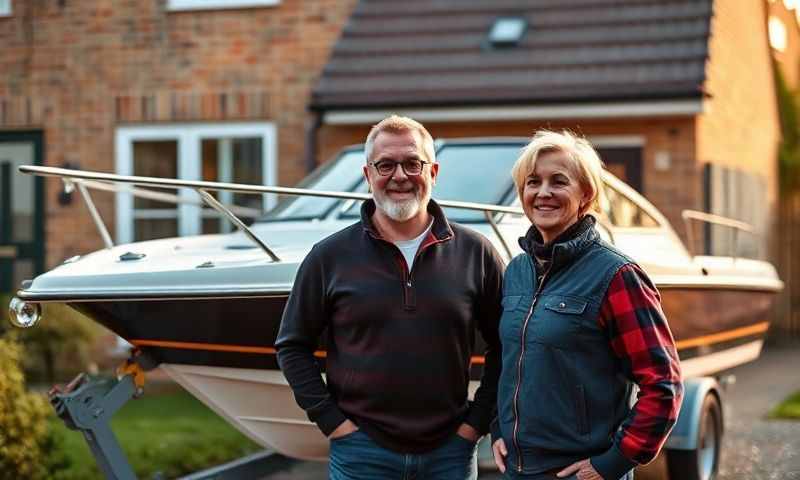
(740,128)
(76,70)
(671,190)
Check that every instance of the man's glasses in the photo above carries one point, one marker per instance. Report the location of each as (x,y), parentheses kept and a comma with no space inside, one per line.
(410,167)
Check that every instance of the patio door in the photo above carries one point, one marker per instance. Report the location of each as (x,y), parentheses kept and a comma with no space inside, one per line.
(21,215)
(230,152)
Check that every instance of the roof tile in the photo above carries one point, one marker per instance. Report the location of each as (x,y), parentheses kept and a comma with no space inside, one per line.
(435,52)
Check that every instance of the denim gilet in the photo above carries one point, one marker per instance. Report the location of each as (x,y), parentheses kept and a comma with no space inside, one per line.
(561,396)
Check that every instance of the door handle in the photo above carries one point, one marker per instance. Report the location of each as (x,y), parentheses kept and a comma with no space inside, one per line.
(8,251)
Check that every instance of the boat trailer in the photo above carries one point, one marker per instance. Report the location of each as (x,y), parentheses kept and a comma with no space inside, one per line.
(88,403)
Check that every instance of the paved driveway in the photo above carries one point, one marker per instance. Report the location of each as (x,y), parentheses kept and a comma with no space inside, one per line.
(754,448)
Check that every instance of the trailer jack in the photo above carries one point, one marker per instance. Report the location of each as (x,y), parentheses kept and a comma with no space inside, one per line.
(88,403)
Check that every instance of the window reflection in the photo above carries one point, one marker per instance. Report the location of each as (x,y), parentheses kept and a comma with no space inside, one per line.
(231,160)
(153,218)
(342,174)
(623,212)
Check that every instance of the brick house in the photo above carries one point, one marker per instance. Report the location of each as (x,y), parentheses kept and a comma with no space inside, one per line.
(677,94)
(211,89)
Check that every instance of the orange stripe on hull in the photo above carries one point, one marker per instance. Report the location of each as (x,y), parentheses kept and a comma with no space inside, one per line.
(476,359)
(213,347)
(216,347)
(722,336)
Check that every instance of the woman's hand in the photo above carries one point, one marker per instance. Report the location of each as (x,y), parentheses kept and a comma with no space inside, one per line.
(345,428)
(500,452)
(582,470)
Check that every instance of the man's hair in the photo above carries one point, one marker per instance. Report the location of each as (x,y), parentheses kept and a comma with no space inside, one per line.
(582,160)
(398,124)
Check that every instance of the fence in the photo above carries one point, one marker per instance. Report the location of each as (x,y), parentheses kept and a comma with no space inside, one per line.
(788,255)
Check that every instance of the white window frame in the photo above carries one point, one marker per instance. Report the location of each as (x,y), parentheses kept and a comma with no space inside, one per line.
(5,8)
(184,5)
(188,137)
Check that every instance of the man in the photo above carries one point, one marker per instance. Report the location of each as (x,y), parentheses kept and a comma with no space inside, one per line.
(399,296)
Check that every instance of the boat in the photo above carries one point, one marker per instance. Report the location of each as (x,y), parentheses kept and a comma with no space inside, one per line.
(207,308)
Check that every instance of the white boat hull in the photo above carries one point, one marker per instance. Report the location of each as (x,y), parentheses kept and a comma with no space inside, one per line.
(260,404)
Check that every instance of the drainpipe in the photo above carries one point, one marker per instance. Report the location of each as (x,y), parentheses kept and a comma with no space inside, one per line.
(312,127)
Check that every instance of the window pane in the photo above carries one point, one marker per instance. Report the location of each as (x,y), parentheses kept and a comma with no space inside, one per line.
(21,188)
(22,208)
(23,270)
(622,212)
(236,160)
(155,159)
(248,168)
(210,166)
(152,228)
(212,225)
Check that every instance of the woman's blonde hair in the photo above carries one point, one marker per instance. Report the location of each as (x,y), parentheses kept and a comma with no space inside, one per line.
(582,160)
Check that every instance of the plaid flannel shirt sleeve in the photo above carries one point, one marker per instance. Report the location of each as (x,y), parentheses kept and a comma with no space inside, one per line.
(641,340)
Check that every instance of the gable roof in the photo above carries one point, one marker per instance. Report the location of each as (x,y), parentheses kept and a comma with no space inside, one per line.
(436,53)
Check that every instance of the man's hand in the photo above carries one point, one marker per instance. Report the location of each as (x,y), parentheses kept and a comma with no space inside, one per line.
(583,470)
(345,428)
(466,432)
(500,452)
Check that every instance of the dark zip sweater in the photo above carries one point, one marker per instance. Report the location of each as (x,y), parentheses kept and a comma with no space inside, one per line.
(399,342)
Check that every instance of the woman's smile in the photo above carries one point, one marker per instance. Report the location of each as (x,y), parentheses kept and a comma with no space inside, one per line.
(553,197)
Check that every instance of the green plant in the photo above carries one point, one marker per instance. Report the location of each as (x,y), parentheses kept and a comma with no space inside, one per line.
(788,409)
(789,153)
(58,347)
(28,449)
(172,433)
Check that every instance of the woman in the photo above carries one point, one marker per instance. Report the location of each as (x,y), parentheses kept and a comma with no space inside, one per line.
(581,324)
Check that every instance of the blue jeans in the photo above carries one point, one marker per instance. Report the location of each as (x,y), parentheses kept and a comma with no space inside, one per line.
(356,457)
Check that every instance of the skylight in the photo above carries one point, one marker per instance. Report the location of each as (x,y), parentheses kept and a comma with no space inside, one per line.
(507,31)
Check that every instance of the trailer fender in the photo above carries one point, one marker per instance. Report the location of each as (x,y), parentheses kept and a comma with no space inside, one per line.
(684,434)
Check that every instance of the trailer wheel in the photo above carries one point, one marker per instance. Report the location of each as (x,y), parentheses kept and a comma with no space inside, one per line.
(703,462)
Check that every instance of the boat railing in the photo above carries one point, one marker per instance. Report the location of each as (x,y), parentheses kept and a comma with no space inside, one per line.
(84,180)
(690,217)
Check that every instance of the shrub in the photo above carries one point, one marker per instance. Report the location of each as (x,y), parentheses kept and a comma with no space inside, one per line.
(28,449)
(788,409)
(58,347)
(59,344)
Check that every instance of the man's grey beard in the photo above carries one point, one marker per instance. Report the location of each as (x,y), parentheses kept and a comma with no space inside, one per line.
(400,211)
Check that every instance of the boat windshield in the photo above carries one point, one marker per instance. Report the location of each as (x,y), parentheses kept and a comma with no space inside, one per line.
(342,174)
(477,173)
